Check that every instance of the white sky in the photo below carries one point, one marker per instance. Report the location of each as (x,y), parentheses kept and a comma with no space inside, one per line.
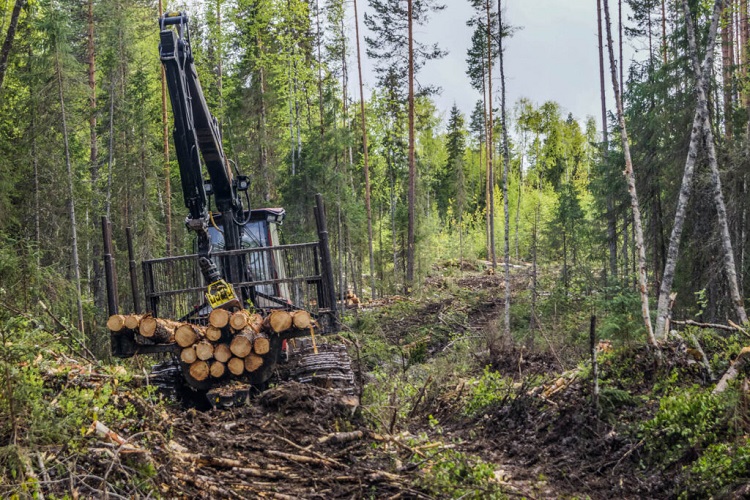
(554,56)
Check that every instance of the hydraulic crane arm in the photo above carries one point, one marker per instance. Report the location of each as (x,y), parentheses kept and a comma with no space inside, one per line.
(196,130)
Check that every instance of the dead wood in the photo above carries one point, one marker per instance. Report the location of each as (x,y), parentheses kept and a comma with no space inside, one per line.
(715,326)
(341,437)
(733,371)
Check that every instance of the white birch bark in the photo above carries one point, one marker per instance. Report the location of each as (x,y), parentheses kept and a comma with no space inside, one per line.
(700,117)
(506,167)
(630,178)
(726,242)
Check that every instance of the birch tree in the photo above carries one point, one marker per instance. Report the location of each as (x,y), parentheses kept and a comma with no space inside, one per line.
(630,178)
(699,119)
(721,210)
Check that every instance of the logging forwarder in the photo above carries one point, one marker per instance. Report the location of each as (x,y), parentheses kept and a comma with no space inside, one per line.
(238,268)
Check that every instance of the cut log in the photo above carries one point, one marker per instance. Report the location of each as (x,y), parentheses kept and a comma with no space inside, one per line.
(116,322)
(239,319)
(301,319)
(187,335)
(204,350)
(242,343)
(278,321)
(187,355)
(132,321)
(255,322)
(217,369)
(157,329)
(199,370)
(213,333)
(236,366)
(253,362)
(219,318)
(222,353)
(261,345)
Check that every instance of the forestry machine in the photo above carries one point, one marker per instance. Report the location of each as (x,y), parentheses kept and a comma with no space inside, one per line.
(238,262)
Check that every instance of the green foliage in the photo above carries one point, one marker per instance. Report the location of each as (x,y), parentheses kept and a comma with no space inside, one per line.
(489,389)
(720,467)
(452,474)
(689,419)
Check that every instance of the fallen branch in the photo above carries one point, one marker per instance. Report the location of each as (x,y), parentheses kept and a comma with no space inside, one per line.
(715,326)
(341,437)
(732,371)
(704,358)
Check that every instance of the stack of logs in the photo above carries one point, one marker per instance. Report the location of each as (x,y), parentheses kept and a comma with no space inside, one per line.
(233,343)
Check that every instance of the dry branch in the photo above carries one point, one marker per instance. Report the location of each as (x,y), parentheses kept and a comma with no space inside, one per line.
(733,371)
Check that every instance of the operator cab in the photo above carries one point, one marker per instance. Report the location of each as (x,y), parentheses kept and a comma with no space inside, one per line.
(262,230)
(262,267)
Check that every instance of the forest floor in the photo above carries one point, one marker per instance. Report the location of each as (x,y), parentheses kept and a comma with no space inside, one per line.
(449,409)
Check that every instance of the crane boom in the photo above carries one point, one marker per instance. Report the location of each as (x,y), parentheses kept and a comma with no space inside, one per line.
(196,130)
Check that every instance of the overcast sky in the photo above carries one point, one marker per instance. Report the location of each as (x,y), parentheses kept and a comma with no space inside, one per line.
(553,56)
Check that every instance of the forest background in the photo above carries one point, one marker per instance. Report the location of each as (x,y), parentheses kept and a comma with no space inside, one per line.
(86,132)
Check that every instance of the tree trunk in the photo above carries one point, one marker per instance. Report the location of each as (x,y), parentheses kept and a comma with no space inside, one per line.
(365,158)
(622,60)
(506,168)
(490,143)
(630,178)
(611,219)
(412,160)
(664,30)
(743,60)
(71,193)
(9,37)
(98,289)
(727,53)
(700,117)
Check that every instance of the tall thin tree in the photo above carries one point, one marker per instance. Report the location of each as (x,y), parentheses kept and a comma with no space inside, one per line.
(630,178)
(365,153)
(506,162)
(699,117)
